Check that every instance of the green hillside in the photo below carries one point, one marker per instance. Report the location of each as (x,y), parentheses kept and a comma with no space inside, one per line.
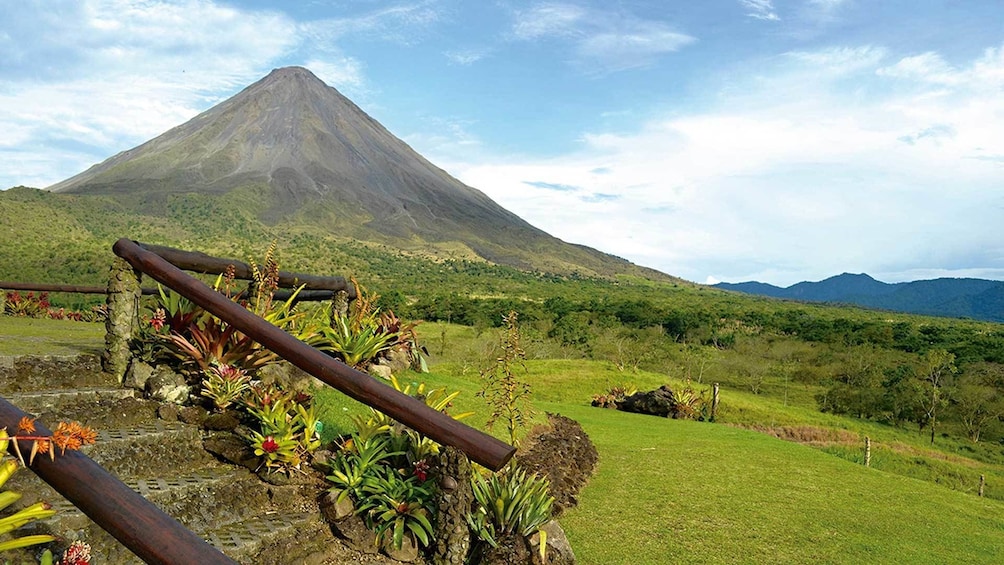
(669,491)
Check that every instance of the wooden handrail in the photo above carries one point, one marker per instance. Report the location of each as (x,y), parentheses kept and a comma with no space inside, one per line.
(201,263)
(479,446)
(281,294)
(135,522)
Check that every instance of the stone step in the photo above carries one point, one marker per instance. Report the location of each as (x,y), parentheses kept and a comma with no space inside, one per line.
(157,448)
(62,402)
(25,373)
(228,506)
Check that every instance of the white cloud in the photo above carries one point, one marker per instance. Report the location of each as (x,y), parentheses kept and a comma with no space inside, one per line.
(635,46)
(602,41)
(760,9)
(402,23)
(548,20)
(799,174)
(340,71)
(466,57)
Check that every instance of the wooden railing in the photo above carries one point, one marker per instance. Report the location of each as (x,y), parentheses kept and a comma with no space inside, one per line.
(156,537)
(135,522)
(479,446)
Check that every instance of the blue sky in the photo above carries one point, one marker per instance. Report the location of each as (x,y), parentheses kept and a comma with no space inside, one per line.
(728,140)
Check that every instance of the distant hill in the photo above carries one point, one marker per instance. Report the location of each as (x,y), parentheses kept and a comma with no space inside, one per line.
(978,299)
(290,154)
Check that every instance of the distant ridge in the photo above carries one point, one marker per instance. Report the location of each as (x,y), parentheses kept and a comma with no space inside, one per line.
(294,153)
(979,299)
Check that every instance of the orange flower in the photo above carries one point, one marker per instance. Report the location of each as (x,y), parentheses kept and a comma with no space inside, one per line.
(72,435)
(26,425)
(43,446)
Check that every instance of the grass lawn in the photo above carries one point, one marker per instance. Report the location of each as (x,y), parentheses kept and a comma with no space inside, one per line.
(42,336)
(669,491)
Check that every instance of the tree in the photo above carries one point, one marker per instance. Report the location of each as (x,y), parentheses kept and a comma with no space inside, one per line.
(977,402)
(939,366)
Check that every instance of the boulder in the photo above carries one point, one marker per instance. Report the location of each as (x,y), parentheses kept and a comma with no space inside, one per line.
(559,551)
(167,386)
(137,375)
(659,402)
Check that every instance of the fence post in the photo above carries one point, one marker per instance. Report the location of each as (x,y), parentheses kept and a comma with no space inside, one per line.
(868,451)
(983,482)
(714,401)
(123,317)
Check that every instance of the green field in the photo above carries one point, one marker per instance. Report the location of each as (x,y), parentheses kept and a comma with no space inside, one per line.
(669,491)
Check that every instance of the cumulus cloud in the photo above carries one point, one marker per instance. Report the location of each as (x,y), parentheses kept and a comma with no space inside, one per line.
(800,173)
(81,79)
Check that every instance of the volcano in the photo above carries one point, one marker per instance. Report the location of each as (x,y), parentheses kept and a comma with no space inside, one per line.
(297,151)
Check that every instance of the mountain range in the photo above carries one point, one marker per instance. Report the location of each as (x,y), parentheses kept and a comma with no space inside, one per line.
(978,299)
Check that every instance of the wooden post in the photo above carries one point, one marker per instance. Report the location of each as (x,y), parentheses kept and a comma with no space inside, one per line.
(868,451)
(714,402)
(123,317)
(983,482)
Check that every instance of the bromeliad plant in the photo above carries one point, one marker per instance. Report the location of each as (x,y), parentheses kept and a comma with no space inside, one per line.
(363,333)
(289,429)
(224,385)
(396,505)
(192,335)
(383,467)
(509,502)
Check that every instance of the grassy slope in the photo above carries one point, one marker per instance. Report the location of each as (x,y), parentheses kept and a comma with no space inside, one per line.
(671,491)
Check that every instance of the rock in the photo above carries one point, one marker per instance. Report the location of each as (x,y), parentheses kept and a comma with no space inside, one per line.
(407,553)
(168,412)
(659,402)
(564,454)
(288,376)
(355,533)
(192,415)
(221,421)
(321,460)
(559,551)
(167,386)
(398,359)
(137,375)
(231,448)
(334,510)
(513,549)
(380,371)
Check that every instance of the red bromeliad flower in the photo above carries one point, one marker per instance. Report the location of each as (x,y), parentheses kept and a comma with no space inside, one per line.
(269,445)
(79,553)
(159,319)
(229,372)
(421,470)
